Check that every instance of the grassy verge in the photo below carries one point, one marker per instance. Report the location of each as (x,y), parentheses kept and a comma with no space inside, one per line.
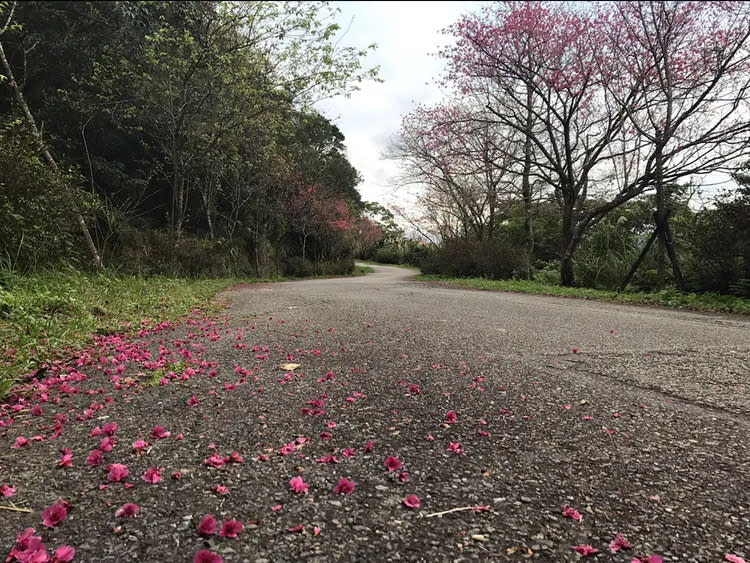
(362,270)
(667,298)
(41,315)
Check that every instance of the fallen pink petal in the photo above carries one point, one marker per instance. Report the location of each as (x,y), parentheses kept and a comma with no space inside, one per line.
(411,501)
(297,485)
(205,556)
(53,515)
(207,525)
(127,510)
(584,550)
(230,529)
(392,463)
(344,486)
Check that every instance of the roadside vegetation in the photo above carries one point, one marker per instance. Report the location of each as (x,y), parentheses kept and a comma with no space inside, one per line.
(665,298)
(45,316)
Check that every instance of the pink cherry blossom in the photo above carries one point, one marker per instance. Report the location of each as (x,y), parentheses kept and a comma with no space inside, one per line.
(450,417)
(570,512)
(110,428)
(128,510)
(235,457)
(7,490)
(106,444)
(139,445)
(392,463)
(230,529)
(152,475)
(159,433)
(298,485)
(734,558)
(344,486)
(53,515)
(95,458)
(214,460)
(205,556)
(66,460)
(412,501)
(63,554)
(117,472)
(192,401)
(584,550)
(454,447)
(220,490)
(207,525)
(618,543)
(20,442)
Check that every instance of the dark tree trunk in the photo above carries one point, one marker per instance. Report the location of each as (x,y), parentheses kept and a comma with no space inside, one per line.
(567,277)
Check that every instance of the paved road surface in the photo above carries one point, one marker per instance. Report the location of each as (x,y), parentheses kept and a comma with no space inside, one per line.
(644,429)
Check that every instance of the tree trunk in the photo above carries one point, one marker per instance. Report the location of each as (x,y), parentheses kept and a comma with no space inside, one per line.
(526,186)
(669,243)
(637,263)
(567,278)
(34,130)
(178,199)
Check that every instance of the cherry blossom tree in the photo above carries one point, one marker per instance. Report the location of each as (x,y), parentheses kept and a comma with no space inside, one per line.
(535,68)
(461,164)
(691,63)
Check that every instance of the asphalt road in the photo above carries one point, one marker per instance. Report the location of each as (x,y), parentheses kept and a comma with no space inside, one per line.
(669,393)
(637,418)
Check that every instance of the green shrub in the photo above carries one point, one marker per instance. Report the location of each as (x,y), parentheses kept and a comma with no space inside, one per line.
(298,267)
(37,207)
(149,252)
(460,258)
(387,255)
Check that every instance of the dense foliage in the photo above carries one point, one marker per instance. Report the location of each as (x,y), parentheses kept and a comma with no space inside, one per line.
(185,136)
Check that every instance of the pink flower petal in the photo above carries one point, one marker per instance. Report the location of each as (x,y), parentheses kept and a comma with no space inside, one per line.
(128,510)
(53,515)
(207,525)
(64,554)
(230,529)
(392,463)
(205,556)
(344,486)
(584,550)
(412,501)
(298,485)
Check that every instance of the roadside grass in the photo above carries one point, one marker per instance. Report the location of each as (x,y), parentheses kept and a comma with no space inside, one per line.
(666,298)
(46,315)
(43,315)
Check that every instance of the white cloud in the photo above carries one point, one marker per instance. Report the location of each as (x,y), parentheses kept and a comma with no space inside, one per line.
(406,34)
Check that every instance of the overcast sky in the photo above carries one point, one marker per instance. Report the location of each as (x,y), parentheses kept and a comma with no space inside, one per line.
(406,34)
